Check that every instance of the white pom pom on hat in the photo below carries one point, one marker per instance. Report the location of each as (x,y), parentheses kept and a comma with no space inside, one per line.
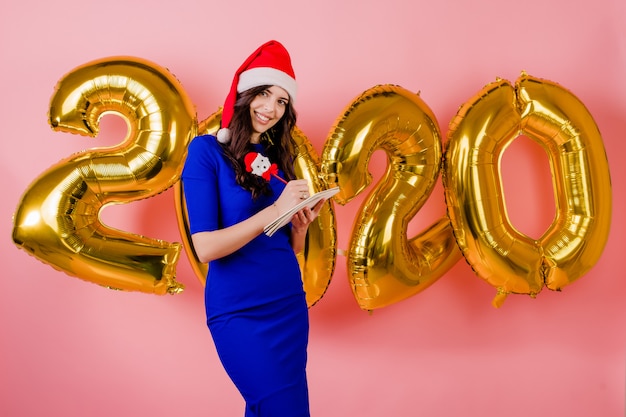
(270,64)
(223,135)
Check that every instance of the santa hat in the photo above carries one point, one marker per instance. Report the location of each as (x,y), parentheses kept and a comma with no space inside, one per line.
(268,65)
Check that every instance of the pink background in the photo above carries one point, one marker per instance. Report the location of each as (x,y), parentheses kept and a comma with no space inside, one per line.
(71,348)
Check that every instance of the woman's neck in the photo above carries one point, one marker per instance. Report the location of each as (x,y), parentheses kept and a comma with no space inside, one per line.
(255,139)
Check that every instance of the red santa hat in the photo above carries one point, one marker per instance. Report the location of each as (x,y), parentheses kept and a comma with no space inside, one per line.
(268,65)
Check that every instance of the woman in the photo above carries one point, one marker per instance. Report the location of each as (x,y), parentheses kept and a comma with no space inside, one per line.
(255,302)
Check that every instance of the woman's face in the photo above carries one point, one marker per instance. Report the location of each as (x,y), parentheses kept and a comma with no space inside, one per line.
(266,110)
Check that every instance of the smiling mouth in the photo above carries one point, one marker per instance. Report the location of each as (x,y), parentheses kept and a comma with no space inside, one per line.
(262,118)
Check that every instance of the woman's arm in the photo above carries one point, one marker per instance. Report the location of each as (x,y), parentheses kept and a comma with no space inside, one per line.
(222,242)
(219,243)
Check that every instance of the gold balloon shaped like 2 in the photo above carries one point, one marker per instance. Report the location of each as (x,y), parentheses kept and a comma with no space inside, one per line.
(57,219)
(384,265)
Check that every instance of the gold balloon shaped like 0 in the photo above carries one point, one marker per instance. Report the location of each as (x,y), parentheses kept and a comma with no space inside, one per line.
(317,260)
(507,259)
(384,265)
(57,220)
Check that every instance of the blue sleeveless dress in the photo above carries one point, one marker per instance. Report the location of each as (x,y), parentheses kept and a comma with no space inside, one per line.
(255,303)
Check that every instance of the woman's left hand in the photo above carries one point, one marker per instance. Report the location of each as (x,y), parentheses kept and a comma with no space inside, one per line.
(301,220)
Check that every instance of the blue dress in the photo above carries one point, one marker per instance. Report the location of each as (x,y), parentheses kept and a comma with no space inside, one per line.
(255,302)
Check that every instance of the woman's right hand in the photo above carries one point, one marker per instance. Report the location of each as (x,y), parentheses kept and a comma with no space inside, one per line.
(294,193)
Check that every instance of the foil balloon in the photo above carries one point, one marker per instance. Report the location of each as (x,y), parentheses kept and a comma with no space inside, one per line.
(507,259)
(317,260)
(384,264)
(57,220)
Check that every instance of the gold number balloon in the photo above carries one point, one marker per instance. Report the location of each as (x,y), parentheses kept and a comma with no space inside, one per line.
(384,265)
(483,128)
(57,219)
(317,261)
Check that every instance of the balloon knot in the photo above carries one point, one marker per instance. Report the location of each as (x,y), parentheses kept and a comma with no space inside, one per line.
(500,297)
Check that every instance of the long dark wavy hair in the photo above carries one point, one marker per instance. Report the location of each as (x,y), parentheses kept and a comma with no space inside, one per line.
(280,143)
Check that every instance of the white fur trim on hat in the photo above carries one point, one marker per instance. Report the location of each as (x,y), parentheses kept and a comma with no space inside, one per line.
(255,77)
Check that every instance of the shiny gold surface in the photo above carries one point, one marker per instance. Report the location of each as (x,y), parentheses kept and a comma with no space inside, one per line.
(384,264)
(57,219)
(482,129)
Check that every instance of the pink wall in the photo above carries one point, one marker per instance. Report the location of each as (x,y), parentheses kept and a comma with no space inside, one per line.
(71,348)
